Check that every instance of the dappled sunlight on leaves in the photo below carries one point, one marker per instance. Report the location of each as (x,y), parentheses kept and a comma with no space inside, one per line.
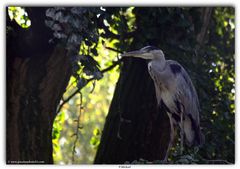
(20,16)
(95,108)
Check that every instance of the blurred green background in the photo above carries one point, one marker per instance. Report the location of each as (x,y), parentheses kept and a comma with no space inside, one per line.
(96,101)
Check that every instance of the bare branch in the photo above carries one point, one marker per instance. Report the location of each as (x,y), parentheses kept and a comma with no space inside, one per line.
(115,50)
(88,80)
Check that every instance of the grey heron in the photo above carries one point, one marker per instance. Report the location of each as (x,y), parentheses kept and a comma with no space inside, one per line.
(176,93)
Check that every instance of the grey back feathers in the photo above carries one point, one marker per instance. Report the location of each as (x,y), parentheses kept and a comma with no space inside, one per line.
(186,90)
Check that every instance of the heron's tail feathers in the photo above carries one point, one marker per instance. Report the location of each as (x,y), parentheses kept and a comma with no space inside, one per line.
(192,132)
(199,138)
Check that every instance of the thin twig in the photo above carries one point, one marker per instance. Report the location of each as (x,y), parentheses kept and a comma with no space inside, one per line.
(77,128)
(94,84)
(115,50)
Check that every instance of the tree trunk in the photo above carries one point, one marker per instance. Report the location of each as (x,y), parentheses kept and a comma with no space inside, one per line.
(134,127)
(37,75)
(145,133)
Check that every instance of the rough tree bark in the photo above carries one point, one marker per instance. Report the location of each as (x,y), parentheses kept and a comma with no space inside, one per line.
(37,75)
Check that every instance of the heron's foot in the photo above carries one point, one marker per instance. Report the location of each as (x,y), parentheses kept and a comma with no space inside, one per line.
(165,160)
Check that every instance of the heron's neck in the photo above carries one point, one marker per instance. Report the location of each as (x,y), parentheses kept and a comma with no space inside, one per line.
(160,62)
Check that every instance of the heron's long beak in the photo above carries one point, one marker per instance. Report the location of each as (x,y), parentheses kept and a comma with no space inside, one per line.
(136,53)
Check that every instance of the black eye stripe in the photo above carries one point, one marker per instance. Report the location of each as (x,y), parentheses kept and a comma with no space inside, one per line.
(149,48)
(152,48)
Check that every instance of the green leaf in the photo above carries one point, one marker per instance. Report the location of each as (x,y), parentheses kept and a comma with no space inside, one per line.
(96,132)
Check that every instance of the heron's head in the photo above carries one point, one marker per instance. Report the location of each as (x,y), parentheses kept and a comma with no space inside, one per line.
(148,52)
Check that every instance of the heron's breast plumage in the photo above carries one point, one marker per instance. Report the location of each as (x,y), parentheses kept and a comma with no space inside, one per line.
(164,81)
(168,99)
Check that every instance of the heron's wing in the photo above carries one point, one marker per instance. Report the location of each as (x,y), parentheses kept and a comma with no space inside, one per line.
(185,91)
(186,94)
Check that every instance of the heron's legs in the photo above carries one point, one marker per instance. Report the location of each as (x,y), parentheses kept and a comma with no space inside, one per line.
(171,138)
(181,133)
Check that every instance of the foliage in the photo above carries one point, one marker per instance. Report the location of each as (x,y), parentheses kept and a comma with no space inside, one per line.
(57,127)
(20,16)
(95,108)
(93,38)
(219,108)
(77,27)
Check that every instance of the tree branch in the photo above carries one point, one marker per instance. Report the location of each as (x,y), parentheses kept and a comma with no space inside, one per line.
(115,50)
(206,16)
(76,134)
(88,80)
